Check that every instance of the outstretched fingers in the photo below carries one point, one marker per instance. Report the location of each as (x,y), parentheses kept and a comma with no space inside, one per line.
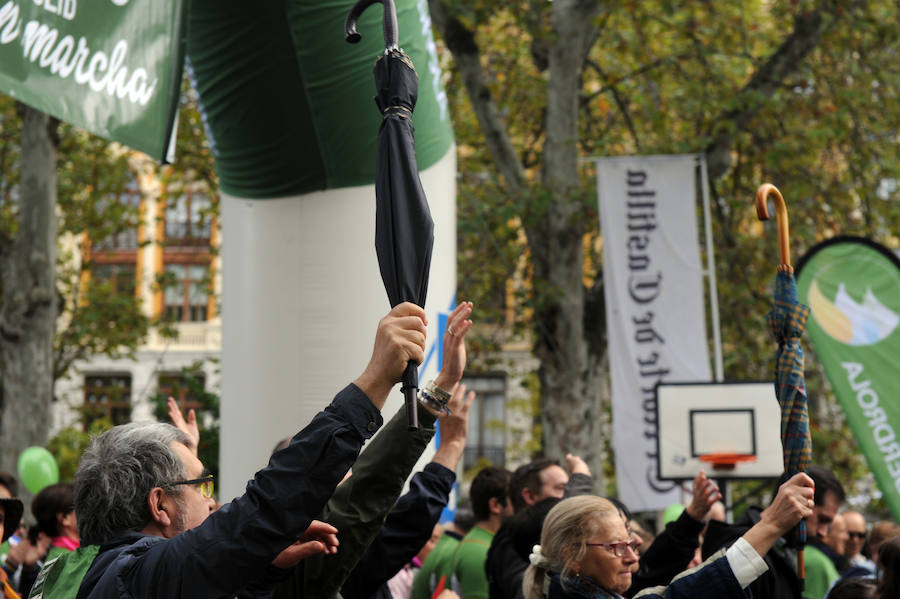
(189,426)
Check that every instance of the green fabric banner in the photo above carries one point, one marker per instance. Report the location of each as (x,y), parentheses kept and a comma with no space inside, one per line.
(112,67)
(288,102)
(852,286)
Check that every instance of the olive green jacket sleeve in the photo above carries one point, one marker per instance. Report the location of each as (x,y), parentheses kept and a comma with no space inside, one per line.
(360,505)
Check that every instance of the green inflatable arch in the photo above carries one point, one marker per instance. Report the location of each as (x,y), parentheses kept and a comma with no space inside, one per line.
(289,104)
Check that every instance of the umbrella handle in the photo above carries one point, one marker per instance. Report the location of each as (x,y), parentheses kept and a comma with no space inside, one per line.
(410,389)
(389,22)
(762,211)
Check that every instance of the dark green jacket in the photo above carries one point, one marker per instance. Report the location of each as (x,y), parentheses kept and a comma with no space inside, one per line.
(360,505)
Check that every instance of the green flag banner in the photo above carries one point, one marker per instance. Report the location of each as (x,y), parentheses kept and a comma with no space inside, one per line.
(112,67)
(852,286)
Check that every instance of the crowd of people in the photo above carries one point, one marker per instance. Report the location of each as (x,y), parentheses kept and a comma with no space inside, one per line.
(327,517)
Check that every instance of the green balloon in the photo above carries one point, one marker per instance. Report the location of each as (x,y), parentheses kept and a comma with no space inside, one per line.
(37,469)
(672,512)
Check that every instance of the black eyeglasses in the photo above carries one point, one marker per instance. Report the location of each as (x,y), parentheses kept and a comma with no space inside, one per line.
(205,482)
(856,535)
(617,549)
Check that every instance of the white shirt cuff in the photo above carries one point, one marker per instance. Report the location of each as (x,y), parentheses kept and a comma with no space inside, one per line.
(745,562)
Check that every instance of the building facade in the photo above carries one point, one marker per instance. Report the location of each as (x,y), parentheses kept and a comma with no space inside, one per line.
(169,261)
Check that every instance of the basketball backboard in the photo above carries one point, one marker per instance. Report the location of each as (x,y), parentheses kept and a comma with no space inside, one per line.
(698,421)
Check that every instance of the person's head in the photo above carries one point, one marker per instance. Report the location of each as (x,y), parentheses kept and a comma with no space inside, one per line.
(464,518)
(133,478)
(9,486)
(853,588)
(525,527)
(436,533)
(837,535)
(828,497)
(535,481)
(489,494)
(54,511)
(856,533)
(888,565)
(584,537)
(881,532)
(10,516)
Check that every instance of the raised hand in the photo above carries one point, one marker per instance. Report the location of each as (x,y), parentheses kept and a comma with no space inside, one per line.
(399,339)
(320,537)
(793,502)
(705,495)
(454,428)
(26,553)
(455,346)
(189,426)
(577,465)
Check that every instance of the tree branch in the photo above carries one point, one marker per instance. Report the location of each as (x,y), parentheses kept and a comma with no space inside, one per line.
(461,43)
(808,30)
(620,102)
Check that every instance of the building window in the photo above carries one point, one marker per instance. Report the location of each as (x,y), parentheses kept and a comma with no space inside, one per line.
(125,208)
(487,422)
(121,277)
(186,295)
(188,219)
(107,396)
(184,388)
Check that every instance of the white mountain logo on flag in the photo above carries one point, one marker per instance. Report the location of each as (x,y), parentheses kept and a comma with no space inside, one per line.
(850,322)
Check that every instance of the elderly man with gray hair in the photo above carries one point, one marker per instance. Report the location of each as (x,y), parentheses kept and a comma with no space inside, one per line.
(144,500)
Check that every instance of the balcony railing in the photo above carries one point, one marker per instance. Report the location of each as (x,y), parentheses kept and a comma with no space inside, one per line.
(195,335)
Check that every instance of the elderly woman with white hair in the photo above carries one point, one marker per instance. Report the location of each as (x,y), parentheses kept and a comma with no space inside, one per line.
(587,553)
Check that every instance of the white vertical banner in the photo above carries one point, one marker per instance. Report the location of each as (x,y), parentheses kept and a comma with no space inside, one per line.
(653,285)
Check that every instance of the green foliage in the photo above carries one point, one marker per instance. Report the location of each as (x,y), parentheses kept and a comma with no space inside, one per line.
(69,443)
(665,77)
(191,385)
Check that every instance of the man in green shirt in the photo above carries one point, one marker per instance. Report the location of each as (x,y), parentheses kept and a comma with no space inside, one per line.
(428,577)
(820,573)
(490,502)
(820,569)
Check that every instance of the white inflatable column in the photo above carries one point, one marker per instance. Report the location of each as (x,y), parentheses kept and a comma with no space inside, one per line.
(301,299)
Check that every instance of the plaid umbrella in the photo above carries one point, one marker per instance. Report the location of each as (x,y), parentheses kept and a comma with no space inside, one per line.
(787,321)
(404,229)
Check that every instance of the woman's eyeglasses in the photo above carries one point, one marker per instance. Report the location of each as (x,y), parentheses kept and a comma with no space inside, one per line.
(617,549)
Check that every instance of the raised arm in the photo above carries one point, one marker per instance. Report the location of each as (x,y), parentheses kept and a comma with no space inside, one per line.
(242,538)
(410,523)
(359,507)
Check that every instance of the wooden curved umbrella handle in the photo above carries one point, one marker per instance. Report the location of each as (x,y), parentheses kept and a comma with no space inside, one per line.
(762,211)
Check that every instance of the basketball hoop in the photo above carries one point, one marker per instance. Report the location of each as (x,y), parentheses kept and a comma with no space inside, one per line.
(726,461)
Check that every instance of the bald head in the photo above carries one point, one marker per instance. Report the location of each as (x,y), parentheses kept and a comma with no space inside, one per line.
(856,532)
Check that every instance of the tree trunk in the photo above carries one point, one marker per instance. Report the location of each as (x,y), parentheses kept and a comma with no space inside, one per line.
(571,379)
(28,310)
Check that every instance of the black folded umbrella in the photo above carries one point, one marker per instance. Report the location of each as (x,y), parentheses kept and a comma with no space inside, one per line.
(404,230)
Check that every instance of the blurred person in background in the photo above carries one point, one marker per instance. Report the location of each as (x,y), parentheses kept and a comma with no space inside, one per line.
(54,511)
(888,569)
(856,541)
